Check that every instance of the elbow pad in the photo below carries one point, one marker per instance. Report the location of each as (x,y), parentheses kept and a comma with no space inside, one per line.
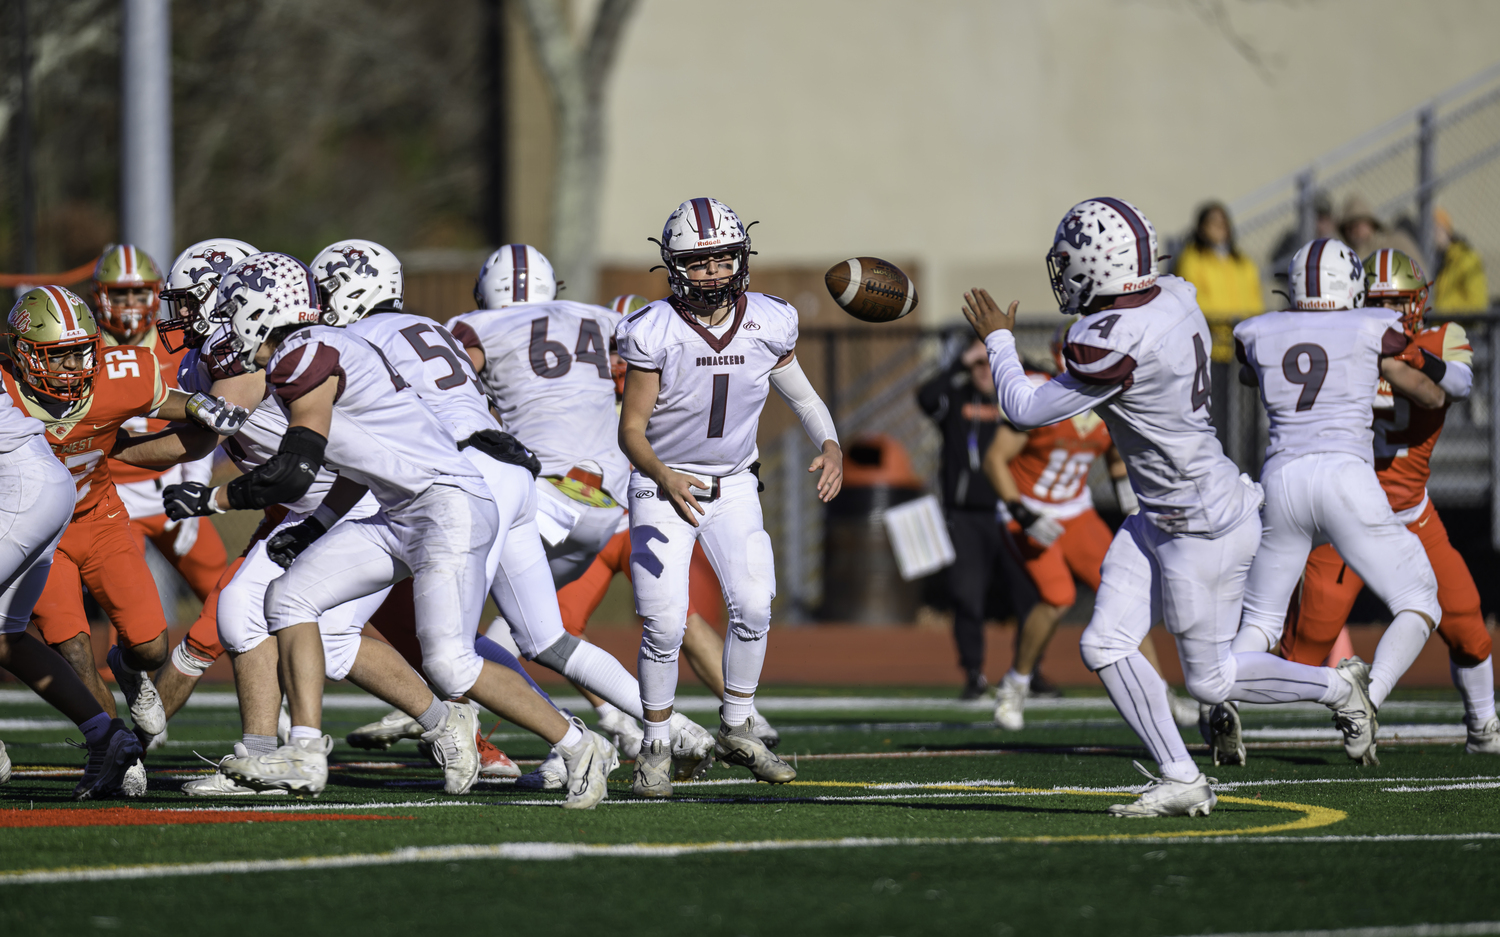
(286,476)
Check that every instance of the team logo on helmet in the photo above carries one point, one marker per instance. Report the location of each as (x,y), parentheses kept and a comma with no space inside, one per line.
(20,319)
(354,259)
(255,279)
(218,262)
(1071,230)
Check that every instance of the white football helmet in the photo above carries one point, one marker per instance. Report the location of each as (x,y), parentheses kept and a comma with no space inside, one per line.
(1327,274)
(191,289)
(354,277)
(262,293)
(516,273)
(1103,247)
(705,227)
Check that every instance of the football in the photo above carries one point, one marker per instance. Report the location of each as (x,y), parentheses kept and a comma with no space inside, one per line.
(871,289)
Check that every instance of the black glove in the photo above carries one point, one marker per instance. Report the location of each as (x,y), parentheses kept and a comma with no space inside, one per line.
(503,447)
(189,499)
(286,546)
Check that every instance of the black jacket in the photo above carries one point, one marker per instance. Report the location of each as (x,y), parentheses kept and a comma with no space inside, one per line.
(968,419)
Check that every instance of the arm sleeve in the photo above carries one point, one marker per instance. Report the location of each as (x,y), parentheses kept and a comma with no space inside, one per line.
(1458,380)
(199,470)
(1028,406)
(466,335)
(797,391)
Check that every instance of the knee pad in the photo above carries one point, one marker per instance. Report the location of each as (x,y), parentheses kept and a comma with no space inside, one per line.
(339,651)
(660,644)
(1208,688)
(285,607)
(556,656)
(187,663)
(1468,640)
(1100,648)
(1253,627)
(241,620)
(452,677)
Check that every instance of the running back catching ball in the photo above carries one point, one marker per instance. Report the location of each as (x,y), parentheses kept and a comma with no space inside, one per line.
(871,289)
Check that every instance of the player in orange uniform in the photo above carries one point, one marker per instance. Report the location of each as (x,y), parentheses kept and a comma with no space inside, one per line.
(82,419)
(127,294)
(1404,439)
(1042,478)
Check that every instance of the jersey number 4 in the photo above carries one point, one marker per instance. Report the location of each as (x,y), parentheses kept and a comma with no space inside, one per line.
(590,349)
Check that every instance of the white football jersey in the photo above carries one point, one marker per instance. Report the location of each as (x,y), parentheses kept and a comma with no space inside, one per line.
(383,434)
(1159,353)
(1319,373)
(546,365)
(260,437)
(713,381)
(15,426)
(428,358)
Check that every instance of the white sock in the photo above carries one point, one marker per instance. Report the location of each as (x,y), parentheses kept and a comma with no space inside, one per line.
(573,737)
(597,671)
(605,709)
(259,744)
(1398,648)
(306,732)
(1023,679)
(1261,677)
(1339,690)
(1477,686)
(744,656)
(737,709)
(1140,694)
(434,716)
(658,730)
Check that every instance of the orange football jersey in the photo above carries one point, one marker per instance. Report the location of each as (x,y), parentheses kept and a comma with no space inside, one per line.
(168,362)
(1054,466)
(129,384)
(1406,434)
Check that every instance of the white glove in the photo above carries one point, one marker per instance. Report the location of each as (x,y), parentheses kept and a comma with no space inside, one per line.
(187,535)
(1125,495)
(1044,530)
(217,414)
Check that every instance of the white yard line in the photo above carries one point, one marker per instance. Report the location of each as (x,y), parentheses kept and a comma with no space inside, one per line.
(1471,929)
(542,851)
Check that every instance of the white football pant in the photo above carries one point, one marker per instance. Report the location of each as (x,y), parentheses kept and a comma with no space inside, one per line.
(242,603)
(594,528)
(36,505)
(441,538)
(661,549)
(1333,498)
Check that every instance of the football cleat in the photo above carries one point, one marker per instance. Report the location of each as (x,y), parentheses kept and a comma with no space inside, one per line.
(692,748)
(589,762)
(1164,797)
(1482,741)
(454,748)
(140,694)
(390,729)
(4,765)
(493,763)
(300,768)
(737,745)
(1010,705)
(1225,742)
(219,784)
(1184,710)
(104,772)
(1356,718)
(550,775)
(653,771)
(624,731)
(765,731)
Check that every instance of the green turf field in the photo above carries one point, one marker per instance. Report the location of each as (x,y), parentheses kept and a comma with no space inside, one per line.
(911,815)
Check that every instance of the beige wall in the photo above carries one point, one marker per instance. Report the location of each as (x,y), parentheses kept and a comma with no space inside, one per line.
(956,132)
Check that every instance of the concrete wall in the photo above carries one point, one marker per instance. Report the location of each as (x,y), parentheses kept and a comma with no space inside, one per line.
(957,132)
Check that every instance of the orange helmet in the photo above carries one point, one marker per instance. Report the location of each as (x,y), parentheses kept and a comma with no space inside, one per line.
(126,267)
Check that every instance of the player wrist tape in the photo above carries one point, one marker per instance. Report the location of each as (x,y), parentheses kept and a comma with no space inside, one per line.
(1022,514)
(213,501)
(1433,366)
(326,516)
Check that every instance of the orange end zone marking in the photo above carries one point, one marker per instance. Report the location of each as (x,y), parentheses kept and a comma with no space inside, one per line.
(131,816)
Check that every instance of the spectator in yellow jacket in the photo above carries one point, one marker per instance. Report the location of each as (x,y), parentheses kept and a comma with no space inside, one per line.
(1460,285)
(1228,282)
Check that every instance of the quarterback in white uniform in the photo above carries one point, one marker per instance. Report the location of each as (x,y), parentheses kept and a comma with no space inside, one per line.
(1318,366)
(545,363)
(1140,355)
(700,365)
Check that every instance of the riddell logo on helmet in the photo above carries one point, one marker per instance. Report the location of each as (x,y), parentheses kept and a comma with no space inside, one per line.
(1134,285)
(20,319)
(709,242)
(1316,304)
